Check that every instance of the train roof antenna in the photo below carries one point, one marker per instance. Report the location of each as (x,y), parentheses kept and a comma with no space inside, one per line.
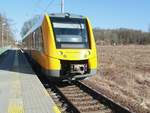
(62,6)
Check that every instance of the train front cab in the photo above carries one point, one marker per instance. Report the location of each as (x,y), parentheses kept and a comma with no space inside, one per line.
(69,60)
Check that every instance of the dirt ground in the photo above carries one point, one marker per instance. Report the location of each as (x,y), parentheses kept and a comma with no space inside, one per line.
(124,75)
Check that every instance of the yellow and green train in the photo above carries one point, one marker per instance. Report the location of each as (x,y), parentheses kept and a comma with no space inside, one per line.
(63,46)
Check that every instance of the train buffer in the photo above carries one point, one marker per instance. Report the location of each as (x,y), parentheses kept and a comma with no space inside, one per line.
(20,89)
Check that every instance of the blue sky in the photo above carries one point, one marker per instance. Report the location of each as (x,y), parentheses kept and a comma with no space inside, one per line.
(107,14)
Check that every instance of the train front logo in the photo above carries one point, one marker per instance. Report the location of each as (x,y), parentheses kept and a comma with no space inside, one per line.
(62,46)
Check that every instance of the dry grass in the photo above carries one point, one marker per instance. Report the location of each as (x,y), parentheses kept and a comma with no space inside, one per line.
(124,74)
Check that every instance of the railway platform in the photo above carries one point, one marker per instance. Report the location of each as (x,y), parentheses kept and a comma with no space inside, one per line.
(20,89)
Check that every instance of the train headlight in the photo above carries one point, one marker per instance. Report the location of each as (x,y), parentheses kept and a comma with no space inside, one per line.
(60,53)
(88,53)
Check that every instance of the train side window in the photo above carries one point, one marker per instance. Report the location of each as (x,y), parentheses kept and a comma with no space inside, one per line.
(28,44)
(36,39)
(41,45)
(29,41)
(33,40)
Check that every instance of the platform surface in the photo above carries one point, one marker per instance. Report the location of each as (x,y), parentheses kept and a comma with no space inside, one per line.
(20,89)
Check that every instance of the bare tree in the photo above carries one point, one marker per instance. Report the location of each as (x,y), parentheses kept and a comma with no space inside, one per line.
(6,35)
(29,24)
(121,36)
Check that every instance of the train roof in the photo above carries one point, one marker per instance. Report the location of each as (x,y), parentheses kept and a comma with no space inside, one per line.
(34,27)
(61,15)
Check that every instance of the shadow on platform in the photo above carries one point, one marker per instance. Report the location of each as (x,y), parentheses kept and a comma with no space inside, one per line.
(15,61)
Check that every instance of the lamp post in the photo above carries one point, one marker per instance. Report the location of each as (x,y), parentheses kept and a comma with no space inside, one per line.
(3,24)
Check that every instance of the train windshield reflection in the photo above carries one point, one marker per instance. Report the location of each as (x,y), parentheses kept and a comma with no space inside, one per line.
(70,33)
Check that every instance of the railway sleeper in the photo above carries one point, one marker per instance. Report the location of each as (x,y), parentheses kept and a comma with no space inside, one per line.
(72,93)
(78,96)
(92,108)
(78,99)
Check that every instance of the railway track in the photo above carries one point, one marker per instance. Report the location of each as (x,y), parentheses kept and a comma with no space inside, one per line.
(76,97)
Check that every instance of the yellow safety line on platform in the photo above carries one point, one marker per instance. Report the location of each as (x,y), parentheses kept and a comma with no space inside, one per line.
(15,101)
(15,106)
(15,86)
(56,109)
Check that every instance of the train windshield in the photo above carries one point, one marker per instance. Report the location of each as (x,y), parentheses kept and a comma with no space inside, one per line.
(70,33)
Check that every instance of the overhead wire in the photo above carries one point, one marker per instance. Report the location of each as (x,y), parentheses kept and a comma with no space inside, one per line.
(50,3)
(34,9)
(37,6)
